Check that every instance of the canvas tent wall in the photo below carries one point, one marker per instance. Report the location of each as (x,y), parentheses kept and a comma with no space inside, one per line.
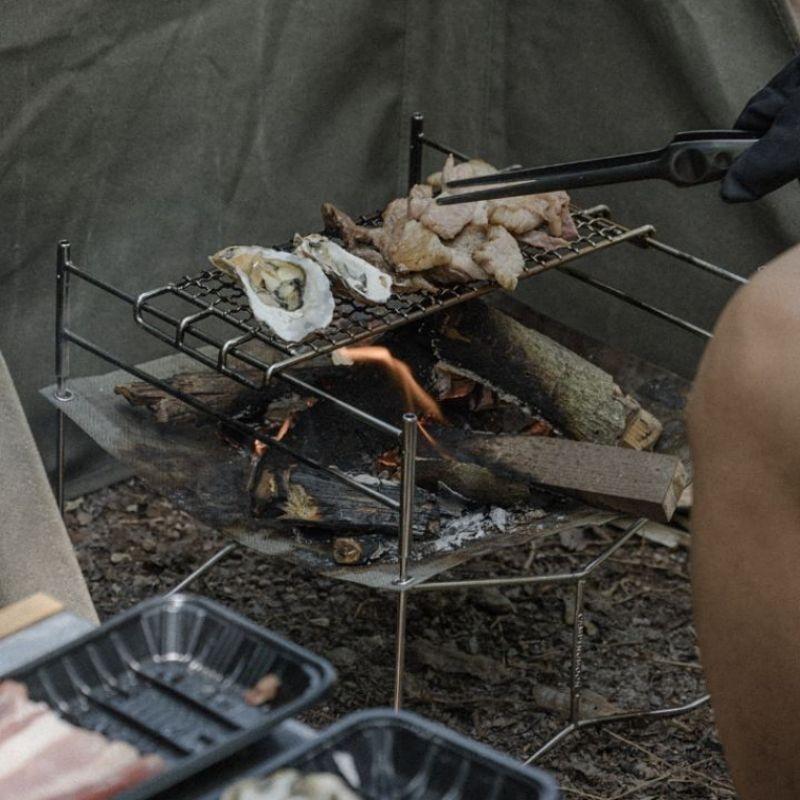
(153,133)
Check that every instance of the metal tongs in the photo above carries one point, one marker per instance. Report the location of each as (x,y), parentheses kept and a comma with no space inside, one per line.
(690,159)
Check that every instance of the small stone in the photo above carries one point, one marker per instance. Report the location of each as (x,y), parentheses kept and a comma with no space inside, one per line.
(343,656)
(320,622)
(83,517)
(132,508)
(494,601)
(472,646)
(118,558)
(149,545)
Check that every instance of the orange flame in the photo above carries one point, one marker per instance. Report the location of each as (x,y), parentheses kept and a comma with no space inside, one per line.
(415,395)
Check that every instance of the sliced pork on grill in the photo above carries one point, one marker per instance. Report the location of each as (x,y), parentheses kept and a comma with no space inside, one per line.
(42,757)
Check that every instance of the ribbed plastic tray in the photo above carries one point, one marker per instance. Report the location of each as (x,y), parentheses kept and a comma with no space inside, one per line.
(388,756)
(168,675)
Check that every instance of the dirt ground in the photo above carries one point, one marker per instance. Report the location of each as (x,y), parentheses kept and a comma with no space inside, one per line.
(492,664)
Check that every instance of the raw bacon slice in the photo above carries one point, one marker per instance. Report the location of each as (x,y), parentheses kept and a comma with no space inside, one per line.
(42,757)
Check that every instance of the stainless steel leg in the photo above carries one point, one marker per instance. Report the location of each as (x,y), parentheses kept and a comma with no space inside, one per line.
(203,568)
(62,394)
(407,486)
(576,682)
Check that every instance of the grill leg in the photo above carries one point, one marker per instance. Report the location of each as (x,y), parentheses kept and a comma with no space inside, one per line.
(415,149)
(576,683)
(203,568)
(62,394)
(408,478)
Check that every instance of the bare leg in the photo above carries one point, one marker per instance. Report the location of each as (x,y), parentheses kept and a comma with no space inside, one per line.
(744,425)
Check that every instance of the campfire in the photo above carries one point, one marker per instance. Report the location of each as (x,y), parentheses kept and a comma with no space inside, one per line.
(509,420)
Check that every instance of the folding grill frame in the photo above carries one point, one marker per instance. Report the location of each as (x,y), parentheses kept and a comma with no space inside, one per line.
(212,295)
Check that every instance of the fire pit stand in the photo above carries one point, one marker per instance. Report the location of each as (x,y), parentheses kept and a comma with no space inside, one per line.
(216,324)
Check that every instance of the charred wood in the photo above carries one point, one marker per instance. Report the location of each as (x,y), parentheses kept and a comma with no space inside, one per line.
(575,395)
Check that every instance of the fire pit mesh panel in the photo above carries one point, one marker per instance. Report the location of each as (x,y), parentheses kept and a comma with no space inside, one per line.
(218,296)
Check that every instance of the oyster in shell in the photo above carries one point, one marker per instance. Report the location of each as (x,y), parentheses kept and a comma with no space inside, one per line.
(354,275)
(288,293)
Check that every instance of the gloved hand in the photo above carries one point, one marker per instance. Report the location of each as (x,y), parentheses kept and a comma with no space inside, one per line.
(773,114)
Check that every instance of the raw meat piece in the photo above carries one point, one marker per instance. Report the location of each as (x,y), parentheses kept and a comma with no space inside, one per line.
(118,767)
(500,257)
(42,757)
(462,267)
(415,248)
(418,199)
(16,711)
(569,229)
(541,238)
(466,169)
(340,223)
(444,221)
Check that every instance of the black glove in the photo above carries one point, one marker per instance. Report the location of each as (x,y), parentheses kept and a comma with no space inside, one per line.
(774,115)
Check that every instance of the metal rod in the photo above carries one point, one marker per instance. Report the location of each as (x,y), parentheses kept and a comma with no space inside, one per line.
(62,393)
(632,301)
(203,568)
(700,263)
(632,529)
(522,580)
(662,713)
(551,743)
(576,673)
(232,423)
(415,149)
(443,148)
(407,487)
(400,649)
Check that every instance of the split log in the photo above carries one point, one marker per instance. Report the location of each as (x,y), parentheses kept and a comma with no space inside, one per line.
(216,391)
(302,496)
(572,393)
(637,483)
(473,481)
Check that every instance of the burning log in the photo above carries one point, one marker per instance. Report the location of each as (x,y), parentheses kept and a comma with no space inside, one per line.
(569,391)
(301,496)
(638,483)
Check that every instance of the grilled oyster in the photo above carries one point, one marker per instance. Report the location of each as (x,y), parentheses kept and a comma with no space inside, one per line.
(288,293)
(357,277)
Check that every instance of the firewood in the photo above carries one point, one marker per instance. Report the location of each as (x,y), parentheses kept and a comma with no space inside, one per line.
(572,393)
(635,482)
(472,481)
(300,496)
(215,390)
(352,550)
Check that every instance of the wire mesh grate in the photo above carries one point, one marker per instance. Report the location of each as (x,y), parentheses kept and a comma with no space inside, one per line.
(212,294)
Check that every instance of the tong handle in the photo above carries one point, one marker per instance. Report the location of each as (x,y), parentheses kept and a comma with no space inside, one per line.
(692,161)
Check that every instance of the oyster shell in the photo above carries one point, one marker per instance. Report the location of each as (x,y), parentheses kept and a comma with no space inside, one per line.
(288,293)
(356,276)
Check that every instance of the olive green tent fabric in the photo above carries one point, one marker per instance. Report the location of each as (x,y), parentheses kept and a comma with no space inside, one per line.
(151,134)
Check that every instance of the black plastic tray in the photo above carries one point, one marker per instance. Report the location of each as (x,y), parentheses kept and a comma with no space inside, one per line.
(168,676)
(402,755)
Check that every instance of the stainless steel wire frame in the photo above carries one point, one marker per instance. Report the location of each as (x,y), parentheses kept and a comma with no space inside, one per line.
(183,327)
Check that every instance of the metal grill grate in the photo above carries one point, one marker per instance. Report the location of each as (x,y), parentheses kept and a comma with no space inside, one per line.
(213,295)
